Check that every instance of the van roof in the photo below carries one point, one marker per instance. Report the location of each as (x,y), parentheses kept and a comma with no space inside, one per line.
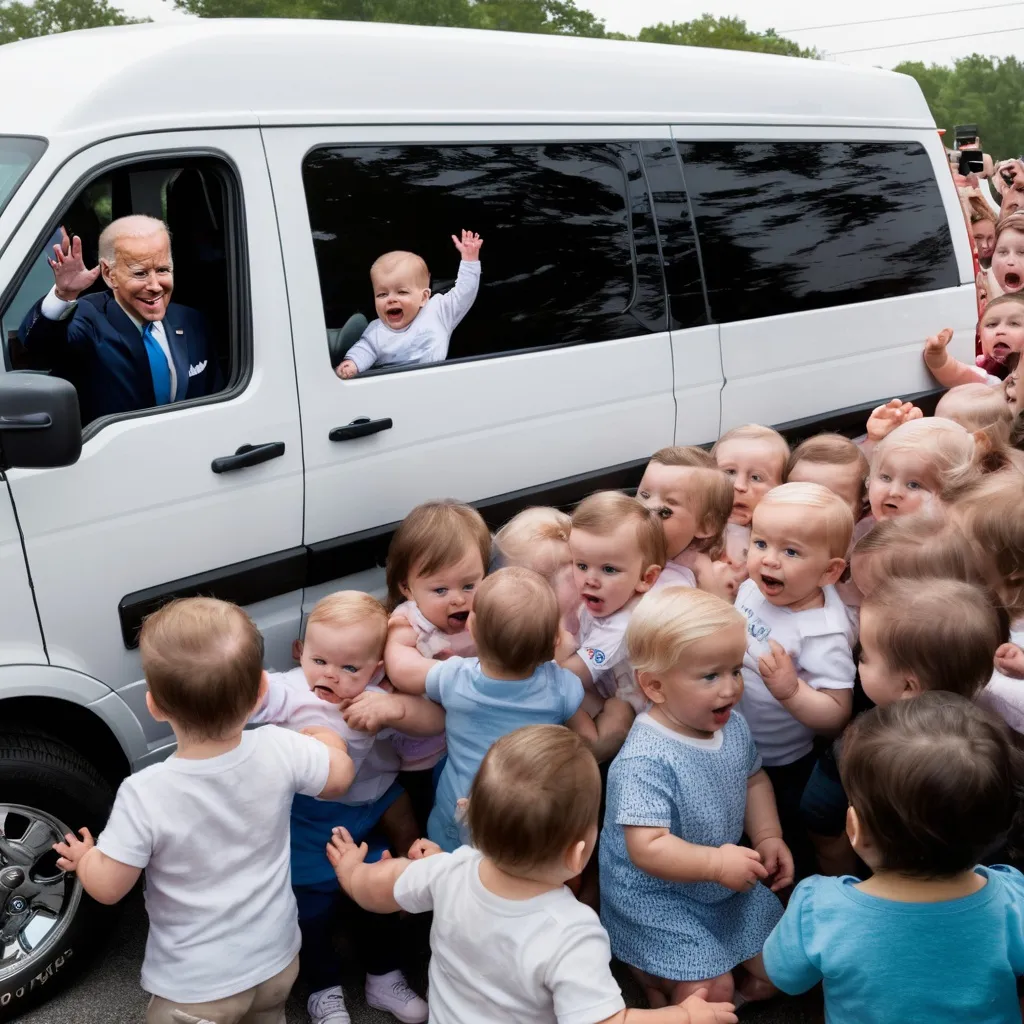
(201,72)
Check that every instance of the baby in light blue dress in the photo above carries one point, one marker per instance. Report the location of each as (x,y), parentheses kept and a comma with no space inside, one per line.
(684,905)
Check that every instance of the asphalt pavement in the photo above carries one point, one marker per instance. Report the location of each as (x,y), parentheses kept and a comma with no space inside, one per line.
(109,993)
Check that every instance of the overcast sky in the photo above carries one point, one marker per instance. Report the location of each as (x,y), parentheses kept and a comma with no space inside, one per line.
(794,18)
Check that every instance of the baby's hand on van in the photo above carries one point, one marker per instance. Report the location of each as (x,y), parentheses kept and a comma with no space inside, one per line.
(326,737)
(469,246)
(72,850)
(347,369)
(1010,661)
(700,1011)
(739,868)
(935,355)
(778,672)
(371,712)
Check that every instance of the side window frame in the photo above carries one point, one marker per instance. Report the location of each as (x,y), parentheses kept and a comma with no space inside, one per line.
(236,248)
(647,284)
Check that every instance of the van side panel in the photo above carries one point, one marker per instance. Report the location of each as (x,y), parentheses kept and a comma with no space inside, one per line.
(829,256)
(20,641)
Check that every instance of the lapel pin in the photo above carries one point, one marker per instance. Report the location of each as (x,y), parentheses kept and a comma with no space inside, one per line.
(179,332)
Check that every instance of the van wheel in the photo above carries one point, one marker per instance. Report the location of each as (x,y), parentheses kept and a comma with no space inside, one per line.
(47,923)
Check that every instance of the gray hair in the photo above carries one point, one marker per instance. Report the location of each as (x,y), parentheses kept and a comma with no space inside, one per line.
(137,225)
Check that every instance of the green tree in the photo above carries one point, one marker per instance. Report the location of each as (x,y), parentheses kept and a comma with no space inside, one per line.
(978,90)
(722,33)
(24,21)
(561,17)
(549,16)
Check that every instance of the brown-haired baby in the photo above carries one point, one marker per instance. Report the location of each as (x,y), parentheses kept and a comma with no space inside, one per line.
(930,936)
(618,551)
(209,825)
(436,560)
(509,941)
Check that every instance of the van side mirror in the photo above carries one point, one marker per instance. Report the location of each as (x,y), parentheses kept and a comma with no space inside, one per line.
(40,423)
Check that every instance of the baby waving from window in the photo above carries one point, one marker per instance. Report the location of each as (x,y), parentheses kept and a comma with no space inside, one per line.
(413,327)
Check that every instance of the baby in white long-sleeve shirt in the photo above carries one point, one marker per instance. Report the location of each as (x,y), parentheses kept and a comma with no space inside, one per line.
(413,327)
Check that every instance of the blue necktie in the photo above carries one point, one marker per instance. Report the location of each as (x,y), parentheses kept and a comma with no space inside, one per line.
(157,366)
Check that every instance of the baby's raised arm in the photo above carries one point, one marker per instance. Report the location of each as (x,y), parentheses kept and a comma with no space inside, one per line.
(453,305)
(943,367)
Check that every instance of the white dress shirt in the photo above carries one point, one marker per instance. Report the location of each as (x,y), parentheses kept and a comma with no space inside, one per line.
(58,309)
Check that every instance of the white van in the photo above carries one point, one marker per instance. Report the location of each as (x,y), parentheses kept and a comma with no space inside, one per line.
(677,241)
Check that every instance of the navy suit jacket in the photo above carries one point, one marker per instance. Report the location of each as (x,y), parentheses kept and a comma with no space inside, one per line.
(101,352)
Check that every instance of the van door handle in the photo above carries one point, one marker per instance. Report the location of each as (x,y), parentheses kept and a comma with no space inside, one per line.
(248,455)
(361,427)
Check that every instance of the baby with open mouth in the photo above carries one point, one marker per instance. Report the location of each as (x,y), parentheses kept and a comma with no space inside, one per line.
(754,458)
(618,552)
(1008,255)
(798,672)
(1001,332)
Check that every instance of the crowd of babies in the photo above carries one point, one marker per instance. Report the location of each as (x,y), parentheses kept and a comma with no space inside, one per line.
(716,613)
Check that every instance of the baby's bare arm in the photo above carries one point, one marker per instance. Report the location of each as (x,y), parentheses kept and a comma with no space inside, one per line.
(693,1010)
(578,667)
(406,667)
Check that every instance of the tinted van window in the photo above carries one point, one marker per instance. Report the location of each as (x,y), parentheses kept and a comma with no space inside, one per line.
(791,226)
(570,250)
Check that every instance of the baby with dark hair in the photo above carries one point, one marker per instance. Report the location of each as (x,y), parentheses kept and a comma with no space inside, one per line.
(933,785)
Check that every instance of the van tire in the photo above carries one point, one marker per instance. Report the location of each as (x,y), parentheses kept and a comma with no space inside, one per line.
(42,774)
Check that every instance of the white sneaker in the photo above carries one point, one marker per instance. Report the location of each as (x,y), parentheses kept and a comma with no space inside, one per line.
(391,992)
(328,1007)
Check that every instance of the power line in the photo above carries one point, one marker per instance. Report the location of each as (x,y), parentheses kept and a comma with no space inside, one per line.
(902,17)
(917,42)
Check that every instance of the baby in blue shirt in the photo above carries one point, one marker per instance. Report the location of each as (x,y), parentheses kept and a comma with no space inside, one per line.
(514,682)
(930,936)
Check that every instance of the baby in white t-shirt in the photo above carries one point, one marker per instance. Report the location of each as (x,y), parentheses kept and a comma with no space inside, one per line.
(618,551)
(209,825)
(412,326)
(798,672)
(509,941)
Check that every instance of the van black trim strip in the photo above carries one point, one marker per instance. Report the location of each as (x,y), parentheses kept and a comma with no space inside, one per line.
(311,565)
(242,582)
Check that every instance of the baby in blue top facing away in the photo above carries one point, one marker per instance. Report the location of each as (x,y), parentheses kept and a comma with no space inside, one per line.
(933,786)
(513,683)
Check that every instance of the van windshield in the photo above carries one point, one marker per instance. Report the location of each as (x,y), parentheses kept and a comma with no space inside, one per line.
(17,156)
